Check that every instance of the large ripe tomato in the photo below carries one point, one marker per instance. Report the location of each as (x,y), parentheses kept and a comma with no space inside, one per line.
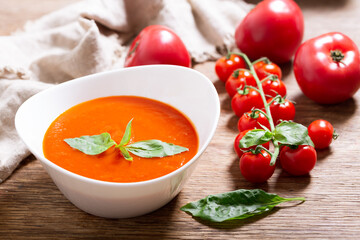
(238,80)
(251,120)
(273,29)
(157,44)
(242,103)
(239,151)
(282,109)
(225,66)
(256,167)
(327,68)
(321,133)
(265,68)
(299,161)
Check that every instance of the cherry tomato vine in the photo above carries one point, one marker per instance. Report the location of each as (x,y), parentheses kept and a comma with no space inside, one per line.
(267,112)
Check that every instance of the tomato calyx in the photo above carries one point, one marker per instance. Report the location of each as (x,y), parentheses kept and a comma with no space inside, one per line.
(278,99)
(236,72)
(254,114)
(337,56)
(259,150)
(292,146)
(335,135)
(246,89)
(271,77)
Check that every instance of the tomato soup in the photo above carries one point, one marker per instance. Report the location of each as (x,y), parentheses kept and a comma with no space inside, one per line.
(151,120)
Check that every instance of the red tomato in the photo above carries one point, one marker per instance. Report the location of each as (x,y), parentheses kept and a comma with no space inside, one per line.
(225,66)
(299,161)
(265,68)
(256,167)
(238,80)
(157,44)
(327,68)
(242,103)
(282,110)
(237,141)
(251,120)
(321,133)
(273,87)
(273,29)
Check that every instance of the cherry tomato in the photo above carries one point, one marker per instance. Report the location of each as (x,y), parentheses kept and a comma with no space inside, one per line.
(251,120)
(225,66)
(256,167)
(157,44)
(265,68)
(237,141)
(321,133)
(282,110)
(273,29)
(299,161)
(238,80)
(272,87)
(327,68)
(242,103)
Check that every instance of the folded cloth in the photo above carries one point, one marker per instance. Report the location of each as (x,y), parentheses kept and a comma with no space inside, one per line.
(93,36)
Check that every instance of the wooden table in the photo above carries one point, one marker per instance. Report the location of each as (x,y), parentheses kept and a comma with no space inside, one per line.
(31,206)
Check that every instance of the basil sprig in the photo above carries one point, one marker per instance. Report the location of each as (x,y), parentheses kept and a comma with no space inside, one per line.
(286,133)
(96,144)
(239,204)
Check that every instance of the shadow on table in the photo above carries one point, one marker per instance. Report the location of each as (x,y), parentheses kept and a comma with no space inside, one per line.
(334,113)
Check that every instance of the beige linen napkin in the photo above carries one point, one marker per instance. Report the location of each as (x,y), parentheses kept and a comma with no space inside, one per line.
(92,36)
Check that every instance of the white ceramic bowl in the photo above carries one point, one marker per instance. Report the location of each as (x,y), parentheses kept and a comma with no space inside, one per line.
(185,89)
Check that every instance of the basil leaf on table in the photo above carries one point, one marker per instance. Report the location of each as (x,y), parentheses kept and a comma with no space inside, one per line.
(291,133)
(91,145)
(239,204)
(255,137)
(154,148)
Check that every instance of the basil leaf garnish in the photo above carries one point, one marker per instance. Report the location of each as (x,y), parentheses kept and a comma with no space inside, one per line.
(126,138)
(291,133)
(96,144)
(154,148)
(255,137)
(238,204)
(125,153)
(91,145)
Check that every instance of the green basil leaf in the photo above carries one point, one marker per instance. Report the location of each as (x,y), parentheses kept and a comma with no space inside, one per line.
(91,145)
(255,137)
(126,138)
(291,133)
(154,148)
(125,153)
(238,204)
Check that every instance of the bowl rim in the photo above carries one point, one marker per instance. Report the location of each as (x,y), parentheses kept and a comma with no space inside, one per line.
(44,160)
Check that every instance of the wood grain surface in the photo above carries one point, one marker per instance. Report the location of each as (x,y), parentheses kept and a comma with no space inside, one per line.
(31,206)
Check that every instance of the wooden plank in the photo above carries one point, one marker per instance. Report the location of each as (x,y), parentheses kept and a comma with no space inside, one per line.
(32,207)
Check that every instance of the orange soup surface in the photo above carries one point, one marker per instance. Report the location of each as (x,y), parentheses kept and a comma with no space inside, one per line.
(151,120)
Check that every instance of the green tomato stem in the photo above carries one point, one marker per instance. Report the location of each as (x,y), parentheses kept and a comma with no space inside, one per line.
(267,107)
(263,59)
(276,152)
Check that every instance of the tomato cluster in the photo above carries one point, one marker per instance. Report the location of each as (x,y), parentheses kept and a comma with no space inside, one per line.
(248,104)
